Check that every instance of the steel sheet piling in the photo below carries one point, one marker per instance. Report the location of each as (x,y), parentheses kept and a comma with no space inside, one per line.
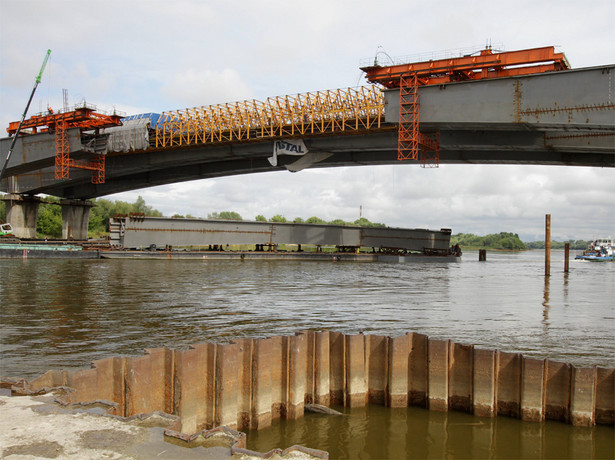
(557,394)
(583,396)
(532,390)
(460,378)
(418,376)
(509,380)
(356,385)
(438,374)
(297,375)
(398,372)
(605,396)
(250,382)
(262,384)
(376,350)
(336,362)
(484,382)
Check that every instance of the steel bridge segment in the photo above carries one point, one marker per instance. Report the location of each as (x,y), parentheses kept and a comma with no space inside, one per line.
(561,118)
(136,232)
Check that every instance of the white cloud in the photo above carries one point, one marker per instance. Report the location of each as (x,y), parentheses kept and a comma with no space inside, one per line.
(407,196)
(194,88)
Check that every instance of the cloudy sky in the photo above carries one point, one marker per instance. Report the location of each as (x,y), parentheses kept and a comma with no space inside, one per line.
(152,55)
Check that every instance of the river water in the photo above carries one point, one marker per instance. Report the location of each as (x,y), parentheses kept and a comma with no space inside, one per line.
(62,314)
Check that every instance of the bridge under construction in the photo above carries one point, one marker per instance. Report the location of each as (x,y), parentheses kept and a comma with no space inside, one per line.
(490,107)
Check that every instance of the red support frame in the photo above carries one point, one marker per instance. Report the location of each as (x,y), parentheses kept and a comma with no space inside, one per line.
(411,143)
(407,136)
(62,151)
(84,118)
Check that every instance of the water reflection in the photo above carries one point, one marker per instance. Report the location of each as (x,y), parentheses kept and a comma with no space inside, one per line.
(545,305)
(66,313)
(379,432)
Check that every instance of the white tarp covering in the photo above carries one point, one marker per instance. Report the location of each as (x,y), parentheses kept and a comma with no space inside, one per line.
(132,135)
(308,160)
(287,147)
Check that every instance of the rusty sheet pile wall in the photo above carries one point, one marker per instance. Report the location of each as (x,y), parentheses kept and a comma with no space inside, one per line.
(250,382)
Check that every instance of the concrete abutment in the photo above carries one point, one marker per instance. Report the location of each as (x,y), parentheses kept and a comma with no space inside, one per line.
(75,219)
(22,214)
(248,383)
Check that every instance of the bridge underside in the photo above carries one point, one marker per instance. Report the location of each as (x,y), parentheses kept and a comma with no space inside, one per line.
(563,118)
(139,170)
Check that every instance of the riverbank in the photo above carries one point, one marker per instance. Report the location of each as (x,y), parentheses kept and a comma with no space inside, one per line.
(39,427)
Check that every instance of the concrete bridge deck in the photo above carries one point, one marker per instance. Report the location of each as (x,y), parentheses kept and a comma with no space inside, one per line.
(555,118)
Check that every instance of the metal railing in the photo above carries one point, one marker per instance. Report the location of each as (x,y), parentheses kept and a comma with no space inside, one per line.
(323,112)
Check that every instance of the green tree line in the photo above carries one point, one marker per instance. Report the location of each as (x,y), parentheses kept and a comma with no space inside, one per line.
(574,244)
(233,215)
(502,240)
(362,222)
(510,241)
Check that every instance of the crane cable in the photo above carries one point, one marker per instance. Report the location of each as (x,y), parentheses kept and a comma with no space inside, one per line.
(23,117)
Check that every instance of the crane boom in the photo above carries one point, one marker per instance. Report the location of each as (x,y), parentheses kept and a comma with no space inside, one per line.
(38,80)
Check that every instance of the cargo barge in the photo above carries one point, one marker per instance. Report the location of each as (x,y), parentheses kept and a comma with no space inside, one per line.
(141,237)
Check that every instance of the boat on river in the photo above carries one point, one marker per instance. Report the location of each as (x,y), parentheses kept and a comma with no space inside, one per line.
(5,229)
(600,250)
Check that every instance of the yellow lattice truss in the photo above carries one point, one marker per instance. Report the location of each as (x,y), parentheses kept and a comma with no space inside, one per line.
(323,112)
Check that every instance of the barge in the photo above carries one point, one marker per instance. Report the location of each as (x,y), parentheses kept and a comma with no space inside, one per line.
(138,236)
(149,238)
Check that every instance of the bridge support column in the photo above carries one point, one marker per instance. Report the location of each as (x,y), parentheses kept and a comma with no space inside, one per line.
(22,213)
(75,217)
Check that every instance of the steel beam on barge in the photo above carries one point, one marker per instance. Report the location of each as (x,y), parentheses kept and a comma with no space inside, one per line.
(141,232)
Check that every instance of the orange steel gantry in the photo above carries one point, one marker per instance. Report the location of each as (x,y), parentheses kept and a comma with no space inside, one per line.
(414,145)
(84,117)
(342,111)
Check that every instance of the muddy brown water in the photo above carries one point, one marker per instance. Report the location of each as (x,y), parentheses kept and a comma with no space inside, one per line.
(63,314)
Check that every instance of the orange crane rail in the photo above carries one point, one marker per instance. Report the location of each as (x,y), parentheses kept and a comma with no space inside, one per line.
(488,64)
(81,117)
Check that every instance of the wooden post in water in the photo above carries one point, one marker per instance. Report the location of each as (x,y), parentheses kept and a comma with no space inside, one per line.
(548,245)
(482,255)
(566,257)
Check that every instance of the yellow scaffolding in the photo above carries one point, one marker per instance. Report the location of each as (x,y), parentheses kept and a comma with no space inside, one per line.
(323,112)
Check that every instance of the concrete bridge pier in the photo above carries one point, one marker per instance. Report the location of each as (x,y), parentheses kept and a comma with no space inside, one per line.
(22,213)
(75,217)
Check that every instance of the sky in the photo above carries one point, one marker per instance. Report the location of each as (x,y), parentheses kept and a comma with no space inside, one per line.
(140,56)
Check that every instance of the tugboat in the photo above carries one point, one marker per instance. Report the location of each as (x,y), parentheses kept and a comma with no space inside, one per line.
(601,250)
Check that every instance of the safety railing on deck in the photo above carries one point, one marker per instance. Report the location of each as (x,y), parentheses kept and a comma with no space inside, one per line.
(322,112)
